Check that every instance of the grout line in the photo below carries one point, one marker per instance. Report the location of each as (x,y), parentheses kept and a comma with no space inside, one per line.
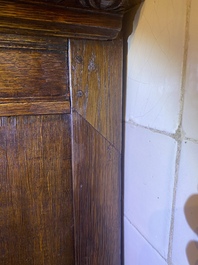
(191,140)
(179,131)
(144,237)
(172,135)
(178,135)
(177,161)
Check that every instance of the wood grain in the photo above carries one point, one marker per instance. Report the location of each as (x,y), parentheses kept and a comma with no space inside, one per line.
(60,206)
(41,19)
(97,196)
(33,74)
(33,77)
(96,71)
(36,215)
(34,108)
(38,43)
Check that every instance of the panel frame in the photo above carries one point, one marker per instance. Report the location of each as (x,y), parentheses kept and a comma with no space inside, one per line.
(98,136)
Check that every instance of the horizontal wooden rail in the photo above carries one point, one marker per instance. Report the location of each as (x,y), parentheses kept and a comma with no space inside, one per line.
(34,108)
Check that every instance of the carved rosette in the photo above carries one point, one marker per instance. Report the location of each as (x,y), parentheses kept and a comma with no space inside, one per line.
(110,4)
(101,4)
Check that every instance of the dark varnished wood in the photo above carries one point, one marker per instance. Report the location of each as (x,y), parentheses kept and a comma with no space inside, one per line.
(97,196)
(96,69)
(110,5)
(31,43)
(96,80)
(46,72)
(52,213)
(34,108)
(48,20)
(36,219)
(33,80)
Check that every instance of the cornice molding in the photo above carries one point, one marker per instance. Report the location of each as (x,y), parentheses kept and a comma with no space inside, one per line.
(52,20)
(87,19)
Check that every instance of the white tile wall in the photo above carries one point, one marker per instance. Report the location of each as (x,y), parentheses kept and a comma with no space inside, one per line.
(190,114)
(137,250)
(149,178)
(155,54)
(156,68)
(186,214)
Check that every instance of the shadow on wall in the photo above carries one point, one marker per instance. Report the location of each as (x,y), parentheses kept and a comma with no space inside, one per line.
(191,213)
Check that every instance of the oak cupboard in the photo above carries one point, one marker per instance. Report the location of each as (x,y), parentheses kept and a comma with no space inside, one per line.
(61,67)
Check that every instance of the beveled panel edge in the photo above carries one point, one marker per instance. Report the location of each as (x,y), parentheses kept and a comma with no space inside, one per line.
(50,20)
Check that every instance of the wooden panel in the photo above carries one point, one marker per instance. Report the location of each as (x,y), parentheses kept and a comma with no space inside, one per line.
(97,196)
(96,71)
(49,20)
(33,74)
(58,45)
(36,218)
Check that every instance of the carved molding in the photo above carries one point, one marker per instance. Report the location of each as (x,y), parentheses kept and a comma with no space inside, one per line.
(101,4)
(52,19)
(105,5)
(110,4)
